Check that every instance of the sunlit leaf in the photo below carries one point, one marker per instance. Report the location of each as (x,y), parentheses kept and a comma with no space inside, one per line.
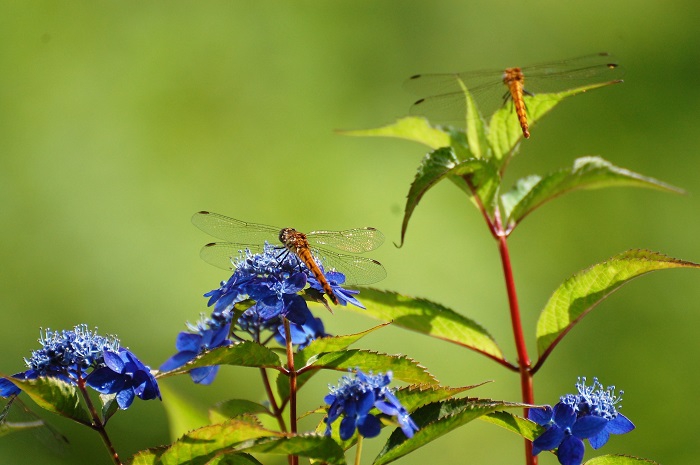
(522,186)
(203,442)
(182,415)
(583,291)
(428,318)
(586,173)
(55,396)
(475,128)
(504,129)
(410,128)
(237,458)
(469,175)
(232,408)
(310,445)
(515,424)
(403,368)
(619,460)
(436,420)
(247,354)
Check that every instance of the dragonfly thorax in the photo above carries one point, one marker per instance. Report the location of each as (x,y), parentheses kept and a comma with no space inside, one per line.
(293,239)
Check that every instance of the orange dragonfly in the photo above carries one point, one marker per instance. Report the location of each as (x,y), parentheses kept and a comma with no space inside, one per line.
(310,248)
(446,103)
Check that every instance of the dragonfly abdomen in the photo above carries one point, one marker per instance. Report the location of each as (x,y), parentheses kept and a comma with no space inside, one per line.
(515,80)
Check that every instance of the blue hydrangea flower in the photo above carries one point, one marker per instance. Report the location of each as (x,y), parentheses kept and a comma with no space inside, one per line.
(354,398)
(304,334)
(125,376)
(82,354)
(591,414)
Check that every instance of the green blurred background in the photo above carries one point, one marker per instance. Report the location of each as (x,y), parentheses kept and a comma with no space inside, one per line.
(118,120)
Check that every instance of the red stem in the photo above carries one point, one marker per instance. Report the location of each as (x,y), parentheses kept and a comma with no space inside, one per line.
(523,358)
(277,412)
(97,424)
(292,384)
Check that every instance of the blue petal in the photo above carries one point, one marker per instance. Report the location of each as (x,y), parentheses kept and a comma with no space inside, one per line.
(564,415)
(571,451)
(204,375)
(549,440)
(369,426)
(125,398)
(347,427)
(588,426)
(113,361)
(365,402)
(105,381)
(408,426)
(619,425)
(177,360)
(188,342)
(541,416)
(599,439)
(8,389)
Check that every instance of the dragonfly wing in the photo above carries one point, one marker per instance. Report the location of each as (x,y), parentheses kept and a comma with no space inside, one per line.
(224,254)
(357,270)
(230,229)
(568,74)
(16,416)
(351,240)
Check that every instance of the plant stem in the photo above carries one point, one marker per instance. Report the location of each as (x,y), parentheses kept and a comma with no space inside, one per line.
(516,322)
(358,450)
(97,424)
(292,384)
(276,411)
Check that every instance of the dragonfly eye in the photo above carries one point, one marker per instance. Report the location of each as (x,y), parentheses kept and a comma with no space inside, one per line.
(286,234)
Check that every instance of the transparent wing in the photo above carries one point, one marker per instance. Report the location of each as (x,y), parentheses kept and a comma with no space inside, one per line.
(443,99)
(230,229)
(351,240)
(223,254)
(357,270)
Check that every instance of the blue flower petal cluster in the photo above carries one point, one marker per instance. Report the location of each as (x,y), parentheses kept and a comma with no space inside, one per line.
(125,376)
(354,398)
(273,280)
(82,354)
(591,414)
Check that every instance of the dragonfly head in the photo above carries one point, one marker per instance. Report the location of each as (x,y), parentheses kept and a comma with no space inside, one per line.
(287,235)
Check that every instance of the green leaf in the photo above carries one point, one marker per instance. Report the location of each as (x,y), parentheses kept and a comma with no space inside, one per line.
(476,133)
(619,460)
(236,458)
(403,368)
(232,408)
(504,129)
(410,128)
(418,395)
(522,186)
(54,395)
(182,415)
(467,174)
(583,291)
(247,354)
(308,445)
(204,442)
(429,318)
(317,346)
(586,173)
(436,420)
(515,424)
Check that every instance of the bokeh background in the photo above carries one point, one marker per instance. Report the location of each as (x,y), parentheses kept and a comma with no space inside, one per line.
(118,120)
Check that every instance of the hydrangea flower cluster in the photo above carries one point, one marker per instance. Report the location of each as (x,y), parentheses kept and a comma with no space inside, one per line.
(591,414)
(70,355)
(355,396)
(273,280)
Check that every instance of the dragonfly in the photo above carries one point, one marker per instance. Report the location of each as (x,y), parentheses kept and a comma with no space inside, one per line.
(445,101)
(16,416)
(311,248)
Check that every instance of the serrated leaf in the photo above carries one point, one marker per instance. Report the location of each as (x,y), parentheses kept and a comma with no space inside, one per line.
(247,354)
(410,128)
(54,395)
(417,395)
(436,420)
(232,408)
(309,445)
(203,442)
(504,129)
(470,174)
(619,460)
(317,346)
(109,406)
(403,367)
(515,424)
(519,190)
(583,291)
(182,415)
(236,458)
(148,456)
(586,173)
(429,318)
